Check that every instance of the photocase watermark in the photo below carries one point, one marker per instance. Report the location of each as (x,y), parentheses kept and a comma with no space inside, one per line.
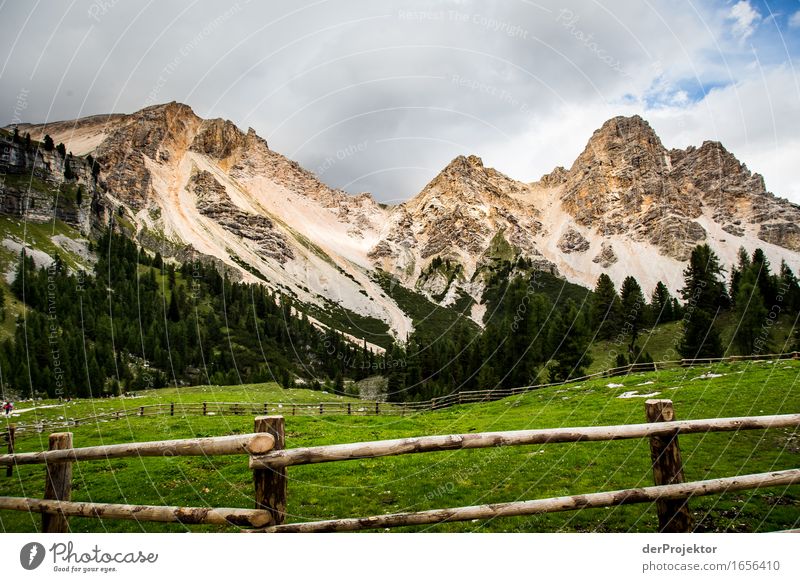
(463,474)
(31,555)
(100,8)
(490,23)
(201,36)
(20,105)
(492,90)
(352,362)
(53,330)
(340,155)
(771,321)
(197,277)
(66,558)
(534,284)
(569,20)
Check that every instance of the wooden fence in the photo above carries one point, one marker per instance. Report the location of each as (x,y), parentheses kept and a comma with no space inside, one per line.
(270,460)
(369,408)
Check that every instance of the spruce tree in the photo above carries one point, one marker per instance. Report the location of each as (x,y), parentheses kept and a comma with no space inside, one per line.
(704,294)
(569,340)
(661,305)
(606,309)
(633,309)
(751,314)
(48,143)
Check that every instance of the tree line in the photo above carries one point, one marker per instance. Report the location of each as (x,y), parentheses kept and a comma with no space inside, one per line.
(530,338)
(137,321)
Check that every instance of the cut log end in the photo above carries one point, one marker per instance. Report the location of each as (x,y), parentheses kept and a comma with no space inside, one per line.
(260,444)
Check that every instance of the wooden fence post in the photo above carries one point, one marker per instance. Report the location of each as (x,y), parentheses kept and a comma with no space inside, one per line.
(141,411)
(266,408)
(348,408)
(205,408)
(673,515)
(172,409)
(10,435)
(321,410)
(270,484)
(58,484)
(377,408)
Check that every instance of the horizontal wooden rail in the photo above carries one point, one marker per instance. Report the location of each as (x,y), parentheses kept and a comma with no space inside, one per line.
(550,505)
(157,513)
(227,445)
(367,450)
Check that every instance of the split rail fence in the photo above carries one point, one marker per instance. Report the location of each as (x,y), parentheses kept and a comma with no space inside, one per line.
(369,408)
(269,461)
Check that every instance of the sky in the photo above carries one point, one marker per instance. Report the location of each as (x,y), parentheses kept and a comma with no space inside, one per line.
(379,96)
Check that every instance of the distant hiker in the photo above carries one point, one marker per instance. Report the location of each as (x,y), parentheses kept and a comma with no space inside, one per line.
(7,407)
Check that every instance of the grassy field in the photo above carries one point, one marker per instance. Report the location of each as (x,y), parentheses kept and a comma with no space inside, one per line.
(434,480)
(49,410)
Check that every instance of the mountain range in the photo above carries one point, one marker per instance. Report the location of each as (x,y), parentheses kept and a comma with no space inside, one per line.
(202,189)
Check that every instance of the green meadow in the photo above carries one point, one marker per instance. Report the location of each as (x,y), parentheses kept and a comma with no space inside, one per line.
(453,478)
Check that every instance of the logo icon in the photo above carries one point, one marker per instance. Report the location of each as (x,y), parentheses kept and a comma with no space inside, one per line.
(31,555)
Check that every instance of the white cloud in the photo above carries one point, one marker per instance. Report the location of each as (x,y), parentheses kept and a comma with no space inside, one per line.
(522,84)
(794,20)
(745,19)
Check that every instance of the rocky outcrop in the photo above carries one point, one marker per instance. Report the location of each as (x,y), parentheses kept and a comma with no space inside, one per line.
(175,178)
(573,242)
(622,184)
(213,201)
(785,234)
(554,178)
(606,257)
(160,133)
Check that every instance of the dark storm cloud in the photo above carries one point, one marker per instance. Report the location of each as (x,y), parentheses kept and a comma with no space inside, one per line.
(378,96)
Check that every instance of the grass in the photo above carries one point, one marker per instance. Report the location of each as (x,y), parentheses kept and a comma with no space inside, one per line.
(430,319)
(269,392)
(448,479)
(38,236)
(662,340)
(342,319)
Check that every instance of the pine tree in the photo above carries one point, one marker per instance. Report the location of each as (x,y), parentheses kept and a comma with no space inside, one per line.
(751,314)
(704,294)
(606,309)
(633,309)
(661,305)
(569,339)
(48,143)
(173,314)
(68,173)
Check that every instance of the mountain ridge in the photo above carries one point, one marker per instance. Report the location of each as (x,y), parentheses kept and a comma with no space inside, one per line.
(192,187)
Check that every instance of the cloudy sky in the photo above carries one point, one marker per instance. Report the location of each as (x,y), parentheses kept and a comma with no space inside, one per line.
(378,96)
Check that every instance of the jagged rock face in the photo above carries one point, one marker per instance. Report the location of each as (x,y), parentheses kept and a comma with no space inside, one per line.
(627,206)
(622,183)
(554,178)
(456,216)
(785,234)
(218,138)
(213,201)
(607,256)
(573,242)
(160,133)
(626,183)
(33,185)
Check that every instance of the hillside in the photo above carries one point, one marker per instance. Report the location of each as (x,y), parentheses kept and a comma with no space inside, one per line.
(202,189)
(415,482)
